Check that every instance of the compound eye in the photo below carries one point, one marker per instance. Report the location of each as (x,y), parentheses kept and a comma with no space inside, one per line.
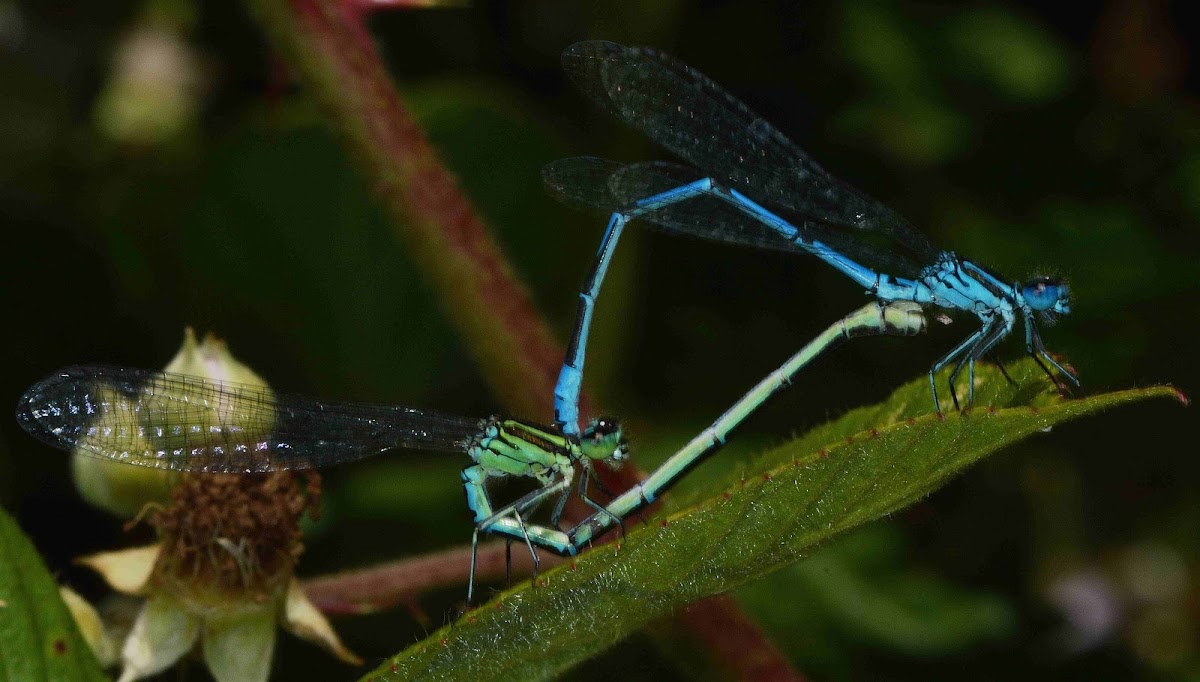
(604,426)
(1043,293)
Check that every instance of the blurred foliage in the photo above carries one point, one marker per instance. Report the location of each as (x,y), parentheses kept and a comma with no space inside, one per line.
(865,588)
(1033,137)
(38,637)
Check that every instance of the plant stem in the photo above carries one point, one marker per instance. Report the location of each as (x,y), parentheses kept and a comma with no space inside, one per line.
(326,44)
(331,50)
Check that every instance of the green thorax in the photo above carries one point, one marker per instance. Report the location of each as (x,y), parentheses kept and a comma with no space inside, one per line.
(511,447)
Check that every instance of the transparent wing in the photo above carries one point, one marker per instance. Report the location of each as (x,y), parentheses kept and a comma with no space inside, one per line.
(612,186)
(184,423)
(694,118)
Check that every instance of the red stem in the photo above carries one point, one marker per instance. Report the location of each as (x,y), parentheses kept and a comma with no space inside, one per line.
(735,642)
(367,590)
(330,48)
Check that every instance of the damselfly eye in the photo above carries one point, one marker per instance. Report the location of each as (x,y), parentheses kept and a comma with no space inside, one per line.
(1045,293)
(604,426)
(602,440)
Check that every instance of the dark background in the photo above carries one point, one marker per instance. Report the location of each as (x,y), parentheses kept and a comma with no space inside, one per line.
(157,170)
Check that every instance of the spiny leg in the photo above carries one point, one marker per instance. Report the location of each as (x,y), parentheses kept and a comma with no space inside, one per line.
(558,508)
(471,575)
(1037,351)
(600,484)
(937,407)
(971,381)
(1059,384)
(954,377)
(584,479)
(530,499)
(1040,347)
(1062,370)
(955,352)
(507,560)
(528,544)
(488,522)
(1003,371)
(524,503)
(996,331)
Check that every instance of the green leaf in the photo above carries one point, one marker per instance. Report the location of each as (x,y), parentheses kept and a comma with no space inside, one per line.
(1018,57)
(871,462)
(38,638)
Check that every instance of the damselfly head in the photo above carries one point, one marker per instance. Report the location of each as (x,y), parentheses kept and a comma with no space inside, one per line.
(1047,295)
(602,440)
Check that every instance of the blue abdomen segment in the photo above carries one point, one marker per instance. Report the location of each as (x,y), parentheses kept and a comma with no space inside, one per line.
(740,165)
(944,284)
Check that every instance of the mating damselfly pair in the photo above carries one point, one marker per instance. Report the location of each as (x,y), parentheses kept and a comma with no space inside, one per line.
(753,187)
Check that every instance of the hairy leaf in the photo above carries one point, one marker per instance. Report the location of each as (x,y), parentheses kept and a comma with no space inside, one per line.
(870,462)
